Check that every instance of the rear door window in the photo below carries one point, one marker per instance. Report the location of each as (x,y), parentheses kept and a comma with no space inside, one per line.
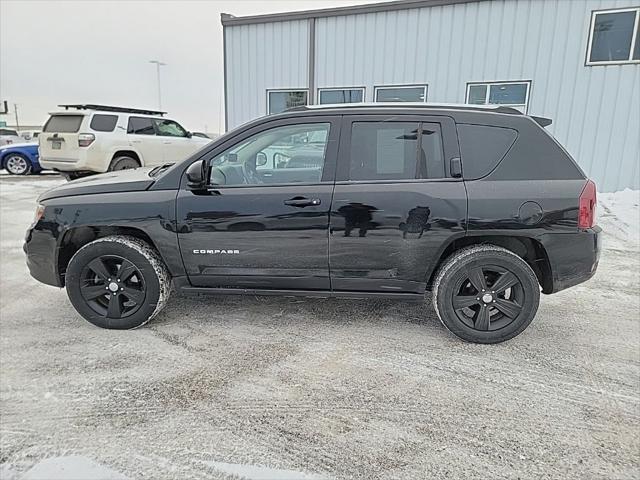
(103,123)
(395,151)
(63,123)
(482,147)
(140,126)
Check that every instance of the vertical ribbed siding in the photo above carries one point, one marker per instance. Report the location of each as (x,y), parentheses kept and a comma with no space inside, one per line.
(263,57)
(595,110)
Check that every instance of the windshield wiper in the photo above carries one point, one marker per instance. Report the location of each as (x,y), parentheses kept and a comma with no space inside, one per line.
(160,168)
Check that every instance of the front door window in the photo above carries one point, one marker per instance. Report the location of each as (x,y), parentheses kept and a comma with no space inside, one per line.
(281,155)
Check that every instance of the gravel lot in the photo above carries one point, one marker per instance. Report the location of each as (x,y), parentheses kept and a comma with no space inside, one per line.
(268,388)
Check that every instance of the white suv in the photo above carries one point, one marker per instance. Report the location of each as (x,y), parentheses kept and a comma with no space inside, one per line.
(95,138)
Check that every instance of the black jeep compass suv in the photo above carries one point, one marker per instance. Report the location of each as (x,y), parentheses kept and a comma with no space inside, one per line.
(479,205)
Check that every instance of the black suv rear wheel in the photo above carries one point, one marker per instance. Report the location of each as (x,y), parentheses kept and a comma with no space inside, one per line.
(486,294)
(117,282)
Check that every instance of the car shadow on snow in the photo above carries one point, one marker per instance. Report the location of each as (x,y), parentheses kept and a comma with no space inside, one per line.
(316,311)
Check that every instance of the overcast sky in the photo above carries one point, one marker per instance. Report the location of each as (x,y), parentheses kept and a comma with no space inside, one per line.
(92,51)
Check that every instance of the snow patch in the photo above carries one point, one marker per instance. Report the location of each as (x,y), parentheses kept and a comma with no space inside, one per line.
(73,467)
(619,216)
(253,472)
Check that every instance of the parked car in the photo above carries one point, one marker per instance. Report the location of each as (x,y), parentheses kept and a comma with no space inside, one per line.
(85,139)
(29,135)
(9,137)
(479,205)
(20,159)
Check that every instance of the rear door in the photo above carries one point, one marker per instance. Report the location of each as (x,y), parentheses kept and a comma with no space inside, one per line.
(59,139)
(263,222)
(141,134)
(395,204)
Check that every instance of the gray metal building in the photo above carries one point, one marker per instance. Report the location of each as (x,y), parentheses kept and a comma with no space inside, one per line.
(575,61)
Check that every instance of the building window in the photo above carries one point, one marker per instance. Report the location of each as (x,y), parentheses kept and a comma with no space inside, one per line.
(340,95)
(507,94)
(401,93)
(280,100)
(614,37)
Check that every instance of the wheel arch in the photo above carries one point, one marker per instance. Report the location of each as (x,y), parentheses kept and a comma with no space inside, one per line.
(129,152)
(76,238)
(529,249)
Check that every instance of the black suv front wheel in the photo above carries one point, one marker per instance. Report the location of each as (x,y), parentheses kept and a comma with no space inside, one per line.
(118,282)
(486,294)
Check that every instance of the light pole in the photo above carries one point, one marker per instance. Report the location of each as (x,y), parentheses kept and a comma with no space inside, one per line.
(158,65)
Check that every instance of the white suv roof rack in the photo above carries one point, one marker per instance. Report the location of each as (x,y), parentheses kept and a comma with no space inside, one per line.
(109,108)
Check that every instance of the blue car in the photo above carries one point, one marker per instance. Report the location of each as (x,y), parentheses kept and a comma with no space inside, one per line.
(20,159)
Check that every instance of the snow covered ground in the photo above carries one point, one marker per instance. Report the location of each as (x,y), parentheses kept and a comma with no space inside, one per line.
(619,217)
(276,388)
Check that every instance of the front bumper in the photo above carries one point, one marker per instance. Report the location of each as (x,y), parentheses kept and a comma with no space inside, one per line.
(41,249)
(573,257)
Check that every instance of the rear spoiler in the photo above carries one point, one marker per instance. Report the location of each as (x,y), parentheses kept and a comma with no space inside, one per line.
(542,121)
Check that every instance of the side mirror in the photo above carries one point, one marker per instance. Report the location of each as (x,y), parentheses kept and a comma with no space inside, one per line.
(261,159)
(196,176)
(189,134)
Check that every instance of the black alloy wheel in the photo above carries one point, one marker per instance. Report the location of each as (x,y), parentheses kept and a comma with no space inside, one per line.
(113,286)
(486,294)
(118,282)
(490,298)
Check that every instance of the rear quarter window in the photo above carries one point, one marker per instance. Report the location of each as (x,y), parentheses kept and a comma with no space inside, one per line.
(482,147)
(63,123)
(103,123)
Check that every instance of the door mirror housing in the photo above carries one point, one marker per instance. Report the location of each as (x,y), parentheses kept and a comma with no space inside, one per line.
(196,178)
(189,135)
(261,159)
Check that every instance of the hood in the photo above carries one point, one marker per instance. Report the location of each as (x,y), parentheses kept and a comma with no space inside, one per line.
(12,145)
(133,180)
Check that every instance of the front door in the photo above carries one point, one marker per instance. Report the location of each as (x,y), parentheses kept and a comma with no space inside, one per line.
(176,143)
(395,204)
(263,222)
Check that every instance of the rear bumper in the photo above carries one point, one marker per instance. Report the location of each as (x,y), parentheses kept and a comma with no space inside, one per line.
(88,160)
(573,257)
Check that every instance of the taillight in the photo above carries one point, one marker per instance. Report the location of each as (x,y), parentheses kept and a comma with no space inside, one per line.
(85,139)
(587,206)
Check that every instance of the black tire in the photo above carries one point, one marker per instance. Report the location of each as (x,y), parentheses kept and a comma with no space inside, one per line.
(17,164)
(123,163)
(70,176)
(130,299)
(493,314)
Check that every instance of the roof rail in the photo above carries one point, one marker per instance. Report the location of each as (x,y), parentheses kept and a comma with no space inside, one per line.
(443,106)
(109,108)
